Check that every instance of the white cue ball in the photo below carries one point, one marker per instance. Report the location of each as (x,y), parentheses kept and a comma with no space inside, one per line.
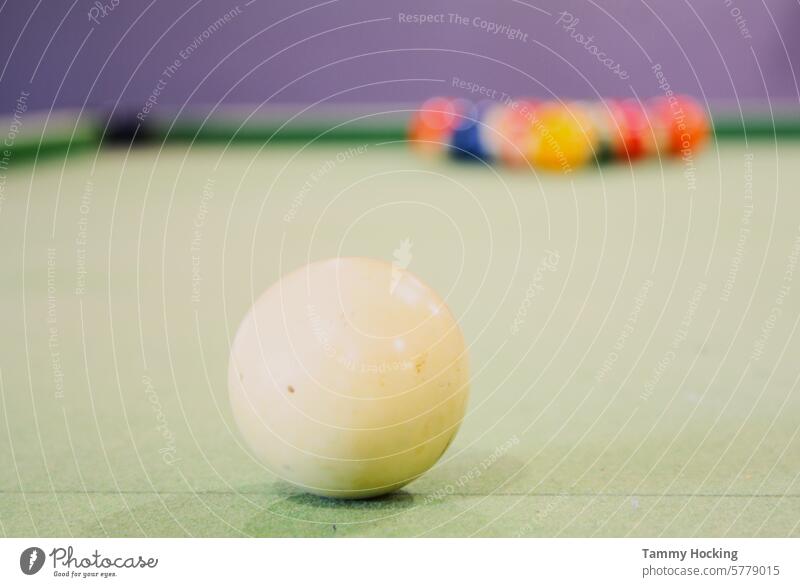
(349,377)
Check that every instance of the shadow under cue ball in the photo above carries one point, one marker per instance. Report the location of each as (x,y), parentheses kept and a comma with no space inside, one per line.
(349,377)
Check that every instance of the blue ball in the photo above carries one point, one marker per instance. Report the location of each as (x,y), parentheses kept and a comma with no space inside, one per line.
(467,143)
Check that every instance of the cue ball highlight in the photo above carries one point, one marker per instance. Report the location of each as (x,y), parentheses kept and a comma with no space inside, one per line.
(349,377)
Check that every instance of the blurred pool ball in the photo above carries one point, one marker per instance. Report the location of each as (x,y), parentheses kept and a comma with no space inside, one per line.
(468,140)
(515,140)
(684,121)
(431,127)
(603,122)
(632,134)
(565,137)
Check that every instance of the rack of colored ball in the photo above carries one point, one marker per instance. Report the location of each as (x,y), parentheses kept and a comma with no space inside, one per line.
(559,136)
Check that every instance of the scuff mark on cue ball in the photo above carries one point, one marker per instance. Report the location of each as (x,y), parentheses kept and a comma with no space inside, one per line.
(420,362)
(290,389)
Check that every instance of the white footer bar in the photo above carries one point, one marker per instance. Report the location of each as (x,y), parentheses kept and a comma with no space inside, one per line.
(387,562)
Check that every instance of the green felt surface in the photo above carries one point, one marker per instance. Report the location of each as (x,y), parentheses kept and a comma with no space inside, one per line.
(645,384)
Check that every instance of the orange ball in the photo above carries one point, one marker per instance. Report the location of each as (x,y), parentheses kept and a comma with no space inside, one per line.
(684,121)
(431,127)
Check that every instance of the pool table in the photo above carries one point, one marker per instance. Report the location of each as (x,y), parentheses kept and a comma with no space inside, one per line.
(632,333)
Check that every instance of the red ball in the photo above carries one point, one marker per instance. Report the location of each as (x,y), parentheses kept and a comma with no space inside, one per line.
(632,137)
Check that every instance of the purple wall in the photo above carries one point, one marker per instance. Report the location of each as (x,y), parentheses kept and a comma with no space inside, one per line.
(304,51)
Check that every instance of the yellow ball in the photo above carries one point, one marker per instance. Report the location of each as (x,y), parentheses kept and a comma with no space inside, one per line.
(566,137)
